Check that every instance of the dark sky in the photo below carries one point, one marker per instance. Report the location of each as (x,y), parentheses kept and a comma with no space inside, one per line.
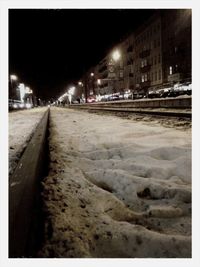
(50,48)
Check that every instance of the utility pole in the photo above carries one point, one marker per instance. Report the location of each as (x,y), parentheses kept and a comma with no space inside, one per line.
(85,87)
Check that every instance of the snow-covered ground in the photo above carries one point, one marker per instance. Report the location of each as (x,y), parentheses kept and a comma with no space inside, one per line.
(116,188)
(21,127)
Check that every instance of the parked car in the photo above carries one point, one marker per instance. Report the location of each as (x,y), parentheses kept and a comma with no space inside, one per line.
(153,95)
(113,98)
(137,96)
(91,99)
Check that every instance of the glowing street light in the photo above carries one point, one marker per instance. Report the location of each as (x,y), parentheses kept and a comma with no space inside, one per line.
(13,77)
(98,81)
(80,83)
(91,74)
(116,55)
(13,84)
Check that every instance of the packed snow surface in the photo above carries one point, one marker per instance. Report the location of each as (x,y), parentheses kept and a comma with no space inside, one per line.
(21,127)
(116,188)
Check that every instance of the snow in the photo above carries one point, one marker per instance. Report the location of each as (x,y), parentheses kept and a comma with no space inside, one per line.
(21,127)
(116,188)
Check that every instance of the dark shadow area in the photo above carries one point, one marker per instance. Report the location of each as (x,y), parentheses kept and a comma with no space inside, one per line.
(38,216)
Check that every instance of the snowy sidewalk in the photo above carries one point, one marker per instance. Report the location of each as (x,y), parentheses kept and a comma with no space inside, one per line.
(21,127)
(116,188)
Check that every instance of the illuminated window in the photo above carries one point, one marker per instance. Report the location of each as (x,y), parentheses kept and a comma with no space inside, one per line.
(170,70)
(142,78)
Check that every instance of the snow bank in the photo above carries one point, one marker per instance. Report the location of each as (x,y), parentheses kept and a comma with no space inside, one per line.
(21,127)
(116,188)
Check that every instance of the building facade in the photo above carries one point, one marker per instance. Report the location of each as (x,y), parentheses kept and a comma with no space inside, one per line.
(154,56)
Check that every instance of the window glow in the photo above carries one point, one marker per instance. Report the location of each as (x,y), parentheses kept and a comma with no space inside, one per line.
(170,70)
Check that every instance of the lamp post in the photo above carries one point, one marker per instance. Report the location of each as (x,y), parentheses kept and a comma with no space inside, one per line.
(92,79)
(98,85)
(85,88)
(115,57)
(81,95)
(13,79)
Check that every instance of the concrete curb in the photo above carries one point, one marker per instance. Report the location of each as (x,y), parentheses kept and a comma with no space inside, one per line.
(23,188)
(154,112)
(180,102)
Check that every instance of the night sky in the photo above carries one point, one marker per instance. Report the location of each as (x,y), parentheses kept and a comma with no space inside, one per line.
(50,49)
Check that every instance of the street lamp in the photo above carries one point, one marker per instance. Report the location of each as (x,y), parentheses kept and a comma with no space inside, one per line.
(92,81)
(116,55)
(80,83)
(13,77)
(13,85)
(114,68)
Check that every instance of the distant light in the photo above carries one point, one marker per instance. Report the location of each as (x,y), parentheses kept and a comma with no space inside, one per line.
(13,77)
(80,83)
(21,105)
(28,90)
(91,74)
(28,105)
(15,106)
(98,81)
(116,55)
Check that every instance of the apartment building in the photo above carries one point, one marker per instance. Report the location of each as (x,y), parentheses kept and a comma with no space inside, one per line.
(176,42)
(128,53)
(154,56)
(148,59)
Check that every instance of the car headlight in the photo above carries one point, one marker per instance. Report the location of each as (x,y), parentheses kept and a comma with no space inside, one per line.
(28,105)
(21,105)
(15,106)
